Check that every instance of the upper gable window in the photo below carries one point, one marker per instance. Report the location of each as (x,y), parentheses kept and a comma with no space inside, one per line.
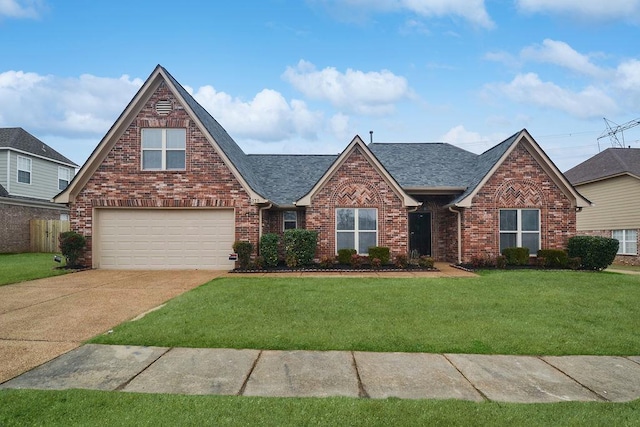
(163,149)
(24,170)
(64,176)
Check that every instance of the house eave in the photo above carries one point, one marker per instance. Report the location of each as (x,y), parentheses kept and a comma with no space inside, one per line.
(49,159)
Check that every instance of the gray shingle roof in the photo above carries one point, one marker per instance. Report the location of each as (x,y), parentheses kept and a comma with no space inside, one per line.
(3,191)
(610,162)
(19,139)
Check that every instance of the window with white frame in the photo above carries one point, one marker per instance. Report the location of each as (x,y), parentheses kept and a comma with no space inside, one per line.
(290,220)
(627,241)
(356,228)
(64,176)
(520,228)
(24,170)
(163,149)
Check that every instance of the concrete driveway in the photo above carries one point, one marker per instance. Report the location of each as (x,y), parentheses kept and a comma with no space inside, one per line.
(42,319)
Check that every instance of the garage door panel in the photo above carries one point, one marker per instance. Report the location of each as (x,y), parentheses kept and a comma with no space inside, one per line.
(164,239)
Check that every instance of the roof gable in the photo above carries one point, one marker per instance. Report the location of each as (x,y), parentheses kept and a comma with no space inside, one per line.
(606,164)
(231,154)
(20,140)
(358,144)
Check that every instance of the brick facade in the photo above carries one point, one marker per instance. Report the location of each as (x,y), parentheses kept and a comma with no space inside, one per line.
(520,182)
(205,182)
(620,259)
(14,224)
(356,183)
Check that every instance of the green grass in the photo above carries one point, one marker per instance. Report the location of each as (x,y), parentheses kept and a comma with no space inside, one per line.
(502,312)
(83,407)
(625,267)
(16,268)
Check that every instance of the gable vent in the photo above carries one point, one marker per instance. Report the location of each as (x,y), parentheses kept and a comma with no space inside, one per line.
(163,107)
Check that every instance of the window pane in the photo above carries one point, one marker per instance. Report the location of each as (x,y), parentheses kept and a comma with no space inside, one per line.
(632,247)
(176,138)
(507,240)
(346,240)
(62,184)
(530,220)
(366,239)
(151,138)
(367,219)
(531,241)
(152,159)
(617,234)
(290,215)
(632,235)
(24,164)
(24,177)
(175,159)
(508,221)
(345,220)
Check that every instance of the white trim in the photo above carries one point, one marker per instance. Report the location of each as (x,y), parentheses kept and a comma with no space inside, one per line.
(284,221)
(33,203)
(71,165)
(163,150)
(24,170)
(622,248)
(356,228)
(8,172)
(519,231)
(67,178)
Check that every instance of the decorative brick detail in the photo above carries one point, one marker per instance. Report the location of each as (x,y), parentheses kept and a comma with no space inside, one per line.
(520,182)
(205,182)
(356,183)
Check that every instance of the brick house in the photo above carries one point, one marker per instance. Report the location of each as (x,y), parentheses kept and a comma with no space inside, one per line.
(31,174)
(167,187)
(611,180)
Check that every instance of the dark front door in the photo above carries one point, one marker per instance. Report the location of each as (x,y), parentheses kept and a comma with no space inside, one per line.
(420,232)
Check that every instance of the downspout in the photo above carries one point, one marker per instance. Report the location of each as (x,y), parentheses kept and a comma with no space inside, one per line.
(459,233)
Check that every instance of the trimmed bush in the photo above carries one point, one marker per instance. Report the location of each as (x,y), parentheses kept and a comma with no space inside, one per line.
(574,263)
(401,261)
(269,249)
(243,249)
(426,261)
(300,246)
(516,256)
(554,258)
(344,256)
(71,246)
(356,260)
(327,261)
(381,253)
(595,252)
(376,263)
(501,261)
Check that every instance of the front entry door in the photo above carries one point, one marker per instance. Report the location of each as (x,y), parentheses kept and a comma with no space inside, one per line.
(420,232)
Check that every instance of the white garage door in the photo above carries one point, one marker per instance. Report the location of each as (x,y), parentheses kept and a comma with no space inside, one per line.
(167,239)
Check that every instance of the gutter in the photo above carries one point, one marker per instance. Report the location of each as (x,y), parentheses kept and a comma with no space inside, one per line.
(459,232)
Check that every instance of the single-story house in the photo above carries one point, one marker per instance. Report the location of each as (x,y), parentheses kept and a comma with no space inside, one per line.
(167,187)
(611,180)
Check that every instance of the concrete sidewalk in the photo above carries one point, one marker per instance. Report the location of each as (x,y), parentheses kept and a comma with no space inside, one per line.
(524,379)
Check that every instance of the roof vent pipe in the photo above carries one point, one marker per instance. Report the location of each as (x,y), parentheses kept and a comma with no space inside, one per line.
(371,136)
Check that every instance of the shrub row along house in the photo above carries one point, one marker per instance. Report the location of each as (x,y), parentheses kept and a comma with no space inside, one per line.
(167,187)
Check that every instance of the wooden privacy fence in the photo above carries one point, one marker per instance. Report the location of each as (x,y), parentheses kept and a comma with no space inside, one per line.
(44,234)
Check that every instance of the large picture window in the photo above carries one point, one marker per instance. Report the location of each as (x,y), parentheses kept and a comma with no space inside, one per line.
(24,170)
(163,149)
(520,228)
(356,228)
(628,241)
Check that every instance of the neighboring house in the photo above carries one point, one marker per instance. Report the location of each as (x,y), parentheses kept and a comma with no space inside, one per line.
(31,174)
(611,180)
(167,187)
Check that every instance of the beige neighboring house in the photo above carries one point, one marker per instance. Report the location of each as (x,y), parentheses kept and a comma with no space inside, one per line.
(611,181)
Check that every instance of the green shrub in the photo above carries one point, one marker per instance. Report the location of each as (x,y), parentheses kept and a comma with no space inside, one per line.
(258,263)
(554,258)
(269,249)
(574,263)
(71,246)
(244,250)
(516,256)
(300,244)
(344,255)
(376,263)
(501,261)
(426,261)
(595,252)
(380,252)
(327,261)
(356,260)
(401,261)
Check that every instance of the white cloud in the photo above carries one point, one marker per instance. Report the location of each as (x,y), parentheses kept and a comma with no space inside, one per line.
(560,53)
(340,127)
(473,11)
(21,8)
(369,93)
(267,117)
(593,10)
(469,140)
(82,106)
(628,75)
(527,88)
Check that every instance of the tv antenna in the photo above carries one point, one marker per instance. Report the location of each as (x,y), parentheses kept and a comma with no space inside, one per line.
(612,131)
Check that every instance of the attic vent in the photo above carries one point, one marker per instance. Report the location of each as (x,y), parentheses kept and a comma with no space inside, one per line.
(163,107)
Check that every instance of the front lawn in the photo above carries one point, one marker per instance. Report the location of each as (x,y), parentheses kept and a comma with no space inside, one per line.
(86,408)
(502,312)
(28,266)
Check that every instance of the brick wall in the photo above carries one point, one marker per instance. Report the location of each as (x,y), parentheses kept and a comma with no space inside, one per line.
(14,225)
(120,182)
(620,259)
(357,184)
(520,182)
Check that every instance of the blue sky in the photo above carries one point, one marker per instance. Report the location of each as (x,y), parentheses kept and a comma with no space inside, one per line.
(306,76)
